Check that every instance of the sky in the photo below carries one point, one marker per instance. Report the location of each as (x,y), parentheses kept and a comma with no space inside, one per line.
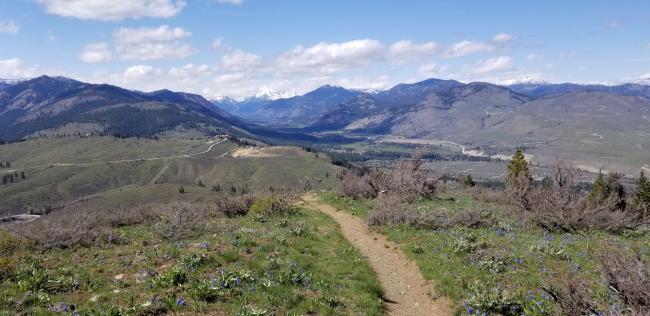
(239,48)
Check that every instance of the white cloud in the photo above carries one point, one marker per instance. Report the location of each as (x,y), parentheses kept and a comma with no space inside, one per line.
(112,10)
(96,53)
(217,42)
(330,57)
(162,33)
(502,38)
(237,2)
(152,43)
(16,68)
(493,64)
(432,70)
(190,71)
(532,57)
(239,60)
(403,51)
(9,27)
(141,71)
(464,48)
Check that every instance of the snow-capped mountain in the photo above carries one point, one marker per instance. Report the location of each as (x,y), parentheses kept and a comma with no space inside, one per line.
(270,94)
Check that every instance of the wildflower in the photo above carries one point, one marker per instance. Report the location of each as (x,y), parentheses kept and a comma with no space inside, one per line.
(204,245)
(180,302)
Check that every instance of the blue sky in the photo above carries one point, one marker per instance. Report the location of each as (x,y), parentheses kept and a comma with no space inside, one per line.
(242,47)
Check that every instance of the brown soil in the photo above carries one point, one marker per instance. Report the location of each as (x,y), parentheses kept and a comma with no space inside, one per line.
(406,290)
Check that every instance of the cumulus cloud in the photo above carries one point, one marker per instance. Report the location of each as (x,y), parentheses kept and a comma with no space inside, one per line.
(330,57)
(152,43)
(141,71)
(113,10)
(16,68)
(9,27)
(502,38)
(493,64)
(96,53)
(464,48)
(239,60)
(403,51)
(432,70)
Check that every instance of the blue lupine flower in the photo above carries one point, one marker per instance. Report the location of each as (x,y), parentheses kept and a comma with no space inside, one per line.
(180,302)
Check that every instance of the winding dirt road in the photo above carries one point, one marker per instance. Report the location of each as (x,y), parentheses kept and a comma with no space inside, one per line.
(406,290)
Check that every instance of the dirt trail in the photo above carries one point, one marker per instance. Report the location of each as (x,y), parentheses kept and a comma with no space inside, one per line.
(406,290)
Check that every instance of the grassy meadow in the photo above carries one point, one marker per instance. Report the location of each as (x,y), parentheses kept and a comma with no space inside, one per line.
(504,268)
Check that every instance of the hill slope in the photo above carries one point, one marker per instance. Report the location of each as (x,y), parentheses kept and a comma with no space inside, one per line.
(45,103)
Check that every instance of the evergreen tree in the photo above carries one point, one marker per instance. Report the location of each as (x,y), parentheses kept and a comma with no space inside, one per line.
(181,190)
(643,189)
(598,191)
(518,167)
(519,180)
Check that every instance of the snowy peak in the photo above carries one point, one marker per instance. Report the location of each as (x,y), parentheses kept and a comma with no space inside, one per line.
(267,93)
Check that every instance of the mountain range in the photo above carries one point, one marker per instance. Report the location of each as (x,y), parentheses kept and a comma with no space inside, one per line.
(594,125)
(597,126)
(49,104)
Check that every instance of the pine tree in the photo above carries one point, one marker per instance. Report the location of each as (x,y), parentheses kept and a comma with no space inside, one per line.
(643,189)
(518,167)
(181,190)
(598,191)
(519,180)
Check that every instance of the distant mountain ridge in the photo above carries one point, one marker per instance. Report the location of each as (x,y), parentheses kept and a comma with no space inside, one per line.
(299,110)
(46,103)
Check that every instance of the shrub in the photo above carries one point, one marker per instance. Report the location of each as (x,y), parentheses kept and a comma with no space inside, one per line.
(273,205)
(63,230)
(408,179)
(491,297)
(392,210)
(628,275)
(233,206)
(562,206)
(356,186)
(467,181)
(573,293)
(181,220)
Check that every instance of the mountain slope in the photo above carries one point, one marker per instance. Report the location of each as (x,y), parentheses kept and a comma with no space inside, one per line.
(545,89)
(609,128)
(44,104)
(277,109)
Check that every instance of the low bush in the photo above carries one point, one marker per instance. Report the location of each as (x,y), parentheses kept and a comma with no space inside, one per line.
(407,179)
(572,292)
(356,186)
(182,220)
(62,231)
(238,205)
(392,210)
(273,205)
(562,206)
(628,275)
